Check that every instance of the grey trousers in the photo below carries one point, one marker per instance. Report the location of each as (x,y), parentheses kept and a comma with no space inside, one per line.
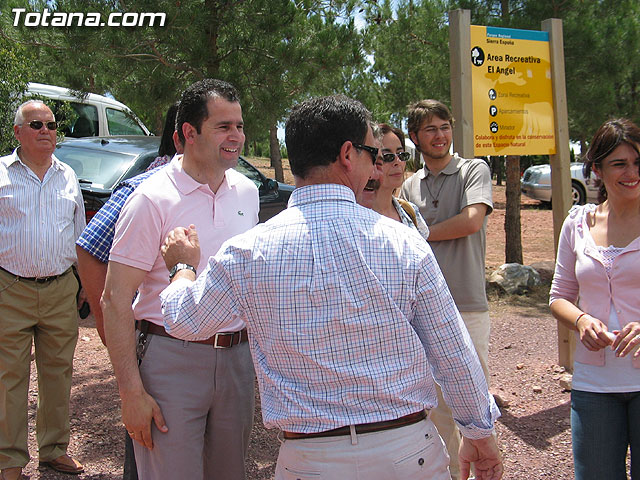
(207,400)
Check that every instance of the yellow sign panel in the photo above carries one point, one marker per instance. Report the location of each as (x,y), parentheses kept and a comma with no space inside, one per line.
(512,93)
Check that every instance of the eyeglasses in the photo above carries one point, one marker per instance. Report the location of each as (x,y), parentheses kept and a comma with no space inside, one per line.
(372,150)
(37,125)
(390,157)
(446,128)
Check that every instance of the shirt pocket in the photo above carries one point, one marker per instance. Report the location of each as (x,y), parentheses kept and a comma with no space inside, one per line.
(63,211)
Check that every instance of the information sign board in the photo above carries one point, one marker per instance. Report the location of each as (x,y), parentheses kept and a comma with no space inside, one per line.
(512,92)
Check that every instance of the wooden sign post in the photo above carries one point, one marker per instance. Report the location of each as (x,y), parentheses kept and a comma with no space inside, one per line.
(508,97)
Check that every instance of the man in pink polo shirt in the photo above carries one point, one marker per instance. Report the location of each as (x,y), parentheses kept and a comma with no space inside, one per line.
(189,405)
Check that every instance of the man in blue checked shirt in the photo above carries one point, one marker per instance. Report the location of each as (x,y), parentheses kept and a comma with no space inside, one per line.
(94,244)
(349,319)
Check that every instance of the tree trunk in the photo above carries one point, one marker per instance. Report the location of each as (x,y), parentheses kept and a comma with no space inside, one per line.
(513,244)
(274,152)
(497,163)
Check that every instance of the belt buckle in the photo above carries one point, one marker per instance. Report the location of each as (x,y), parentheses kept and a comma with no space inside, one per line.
(220,335)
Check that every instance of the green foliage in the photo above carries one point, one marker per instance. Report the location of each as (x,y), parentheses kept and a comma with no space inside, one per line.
(274,51)
(601,38)
(278,52)
(410,47)
(16,71)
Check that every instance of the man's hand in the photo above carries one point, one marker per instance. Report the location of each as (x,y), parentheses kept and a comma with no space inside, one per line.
(485,456)
(181,246)
(137,413)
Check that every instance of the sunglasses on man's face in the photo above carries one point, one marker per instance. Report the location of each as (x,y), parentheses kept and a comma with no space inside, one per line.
(37,125)
(372,150)
(390,157)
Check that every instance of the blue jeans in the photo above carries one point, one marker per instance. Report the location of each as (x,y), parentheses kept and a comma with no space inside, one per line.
(603,425)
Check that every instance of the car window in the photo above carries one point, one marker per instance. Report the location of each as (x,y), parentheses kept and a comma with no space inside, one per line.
(141,165)
(100,168)
(121,123)
(86,122)
(250,172)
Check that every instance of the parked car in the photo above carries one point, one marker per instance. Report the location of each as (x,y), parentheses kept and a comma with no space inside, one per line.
(94,114)
(101,163)
(536,184)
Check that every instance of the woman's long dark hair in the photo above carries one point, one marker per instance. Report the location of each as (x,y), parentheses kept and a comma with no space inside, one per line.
(166,142)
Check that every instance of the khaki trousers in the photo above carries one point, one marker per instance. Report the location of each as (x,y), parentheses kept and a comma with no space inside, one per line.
(47,315)
(479,326)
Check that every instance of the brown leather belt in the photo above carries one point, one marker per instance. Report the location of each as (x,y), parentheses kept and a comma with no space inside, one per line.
(219,340)
(37,279)
(362,428)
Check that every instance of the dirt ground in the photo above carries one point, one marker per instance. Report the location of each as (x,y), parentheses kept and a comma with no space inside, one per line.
(533,432)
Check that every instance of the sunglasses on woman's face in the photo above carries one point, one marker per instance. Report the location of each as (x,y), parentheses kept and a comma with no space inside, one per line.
(390,157)
(37,125)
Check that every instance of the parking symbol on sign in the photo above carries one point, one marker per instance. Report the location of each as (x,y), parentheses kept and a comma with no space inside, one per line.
(493,110)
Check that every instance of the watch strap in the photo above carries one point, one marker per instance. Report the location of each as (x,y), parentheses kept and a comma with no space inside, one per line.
(181,266)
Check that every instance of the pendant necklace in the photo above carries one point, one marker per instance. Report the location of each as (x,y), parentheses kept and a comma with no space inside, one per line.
(434,200)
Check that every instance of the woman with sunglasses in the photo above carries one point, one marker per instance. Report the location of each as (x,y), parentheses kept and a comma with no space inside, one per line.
(378,194)
(595,293)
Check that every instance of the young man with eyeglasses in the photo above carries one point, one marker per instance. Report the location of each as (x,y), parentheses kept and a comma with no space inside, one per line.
(454,196)
(41,216)
(348,316)
(379,193)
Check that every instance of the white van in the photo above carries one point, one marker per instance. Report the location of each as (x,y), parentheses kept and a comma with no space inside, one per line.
(96,115)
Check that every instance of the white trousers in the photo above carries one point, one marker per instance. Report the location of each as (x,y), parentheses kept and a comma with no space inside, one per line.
(406,453)
(479,326)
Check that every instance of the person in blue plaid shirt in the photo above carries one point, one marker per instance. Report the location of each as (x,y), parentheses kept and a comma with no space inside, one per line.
(94,244)
(350,320)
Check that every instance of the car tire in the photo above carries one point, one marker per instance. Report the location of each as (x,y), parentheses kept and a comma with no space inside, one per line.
(578,194)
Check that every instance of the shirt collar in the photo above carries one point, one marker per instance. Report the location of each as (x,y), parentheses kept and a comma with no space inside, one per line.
(452,167)
(186,184)
(14,158)
(320,193)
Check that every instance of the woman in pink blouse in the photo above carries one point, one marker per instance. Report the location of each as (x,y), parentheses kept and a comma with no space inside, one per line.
(596,292)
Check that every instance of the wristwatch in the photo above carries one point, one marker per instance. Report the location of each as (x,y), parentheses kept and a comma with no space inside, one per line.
(181,266)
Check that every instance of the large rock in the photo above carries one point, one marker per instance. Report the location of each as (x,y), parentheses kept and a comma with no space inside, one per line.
(545,269)
(515,278)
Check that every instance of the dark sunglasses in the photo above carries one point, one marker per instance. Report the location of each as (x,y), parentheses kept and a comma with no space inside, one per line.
(372,150)
(390,157)
(37,125)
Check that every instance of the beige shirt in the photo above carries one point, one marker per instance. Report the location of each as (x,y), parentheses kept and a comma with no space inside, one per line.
(461,183)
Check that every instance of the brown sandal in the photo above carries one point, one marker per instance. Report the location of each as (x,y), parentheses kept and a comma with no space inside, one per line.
(61,464)
(11,473)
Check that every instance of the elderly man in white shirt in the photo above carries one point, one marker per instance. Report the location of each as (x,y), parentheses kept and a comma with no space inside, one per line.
(41,216)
